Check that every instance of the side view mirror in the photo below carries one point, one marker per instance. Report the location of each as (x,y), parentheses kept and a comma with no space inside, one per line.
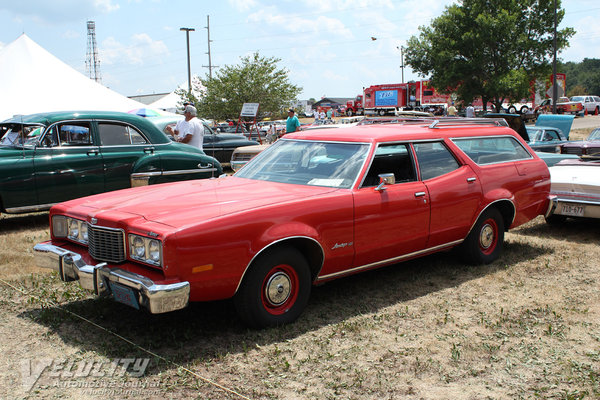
(385,179)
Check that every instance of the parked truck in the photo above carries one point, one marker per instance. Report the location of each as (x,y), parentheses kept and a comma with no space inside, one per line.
(391,98)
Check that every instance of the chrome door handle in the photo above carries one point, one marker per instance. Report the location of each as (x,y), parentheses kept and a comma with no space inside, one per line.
(471,179)
(92,152)
(419,194)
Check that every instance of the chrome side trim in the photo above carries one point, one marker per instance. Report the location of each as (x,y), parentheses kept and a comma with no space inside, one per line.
(142,178)
(40,207)
(388,261)
(270,245)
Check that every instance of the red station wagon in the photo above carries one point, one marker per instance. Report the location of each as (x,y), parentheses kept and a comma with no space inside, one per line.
(313,207)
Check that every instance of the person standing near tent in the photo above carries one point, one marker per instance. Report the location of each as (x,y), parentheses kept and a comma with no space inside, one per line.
(181,125)
(193,133)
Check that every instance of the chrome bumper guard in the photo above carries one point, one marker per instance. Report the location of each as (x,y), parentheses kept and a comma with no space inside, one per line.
(70,267)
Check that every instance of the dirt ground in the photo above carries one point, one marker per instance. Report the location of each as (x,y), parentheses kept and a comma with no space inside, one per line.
(525,326)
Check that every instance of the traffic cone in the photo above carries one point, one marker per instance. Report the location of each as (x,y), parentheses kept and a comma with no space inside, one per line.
(585,111)
(596,111)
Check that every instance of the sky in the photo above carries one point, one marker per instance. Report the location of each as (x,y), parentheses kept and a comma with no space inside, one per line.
(327,46)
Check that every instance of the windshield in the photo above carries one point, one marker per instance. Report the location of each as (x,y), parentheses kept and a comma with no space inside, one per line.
(18,135)
(595,135)
(577,98)
(308,163)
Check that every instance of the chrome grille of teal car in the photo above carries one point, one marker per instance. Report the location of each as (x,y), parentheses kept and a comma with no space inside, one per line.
(106,244)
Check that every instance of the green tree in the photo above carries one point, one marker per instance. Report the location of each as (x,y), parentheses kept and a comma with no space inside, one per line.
(488,49)
(256,80)
(585,74)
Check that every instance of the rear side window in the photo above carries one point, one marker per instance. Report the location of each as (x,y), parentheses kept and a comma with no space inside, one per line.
(434,159)
(118,134)
(492,150)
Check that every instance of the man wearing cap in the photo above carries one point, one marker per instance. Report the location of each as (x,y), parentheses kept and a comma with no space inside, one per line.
(292,124)
(180,125)
(193,132)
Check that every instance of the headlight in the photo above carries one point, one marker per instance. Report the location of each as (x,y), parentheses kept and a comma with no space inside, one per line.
(70,228)
(59,225)
(145,250)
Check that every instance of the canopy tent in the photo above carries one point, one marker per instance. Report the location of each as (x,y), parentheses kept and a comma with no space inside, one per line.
(32,80)
(172,102)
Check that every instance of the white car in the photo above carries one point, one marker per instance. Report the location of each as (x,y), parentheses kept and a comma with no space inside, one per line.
(575,190)
(590,103)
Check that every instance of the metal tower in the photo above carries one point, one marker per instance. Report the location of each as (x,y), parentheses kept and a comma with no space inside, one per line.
(92,62)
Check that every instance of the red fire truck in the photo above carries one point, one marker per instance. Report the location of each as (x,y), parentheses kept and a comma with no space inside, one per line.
(390,98)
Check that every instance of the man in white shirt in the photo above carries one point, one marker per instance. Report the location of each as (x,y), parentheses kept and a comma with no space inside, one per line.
(193,131)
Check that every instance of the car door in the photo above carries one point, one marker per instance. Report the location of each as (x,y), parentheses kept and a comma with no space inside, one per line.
(67,163)
(394,221)
(213,146)
(123,146)
(454,192)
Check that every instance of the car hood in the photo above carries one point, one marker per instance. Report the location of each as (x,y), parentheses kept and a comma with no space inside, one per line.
(562,122)
(186,203)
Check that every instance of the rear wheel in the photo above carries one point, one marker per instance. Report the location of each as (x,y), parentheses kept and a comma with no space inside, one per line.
(524,110)
(275,289)
(512,110)
(382,112)
(349,112)
(486,240)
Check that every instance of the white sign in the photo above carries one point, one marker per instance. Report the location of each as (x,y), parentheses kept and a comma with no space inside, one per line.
(249,110)
(559,92)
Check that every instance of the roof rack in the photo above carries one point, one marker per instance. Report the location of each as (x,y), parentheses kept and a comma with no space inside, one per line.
(453,121)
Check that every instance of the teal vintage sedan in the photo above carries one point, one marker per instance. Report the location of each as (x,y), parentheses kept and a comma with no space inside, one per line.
(52,157)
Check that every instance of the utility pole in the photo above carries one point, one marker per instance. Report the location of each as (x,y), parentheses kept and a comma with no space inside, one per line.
(187,39)
(210,66)
(554,83)
(401,60)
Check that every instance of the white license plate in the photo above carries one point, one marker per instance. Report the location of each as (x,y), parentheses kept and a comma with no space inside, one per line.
(573,210)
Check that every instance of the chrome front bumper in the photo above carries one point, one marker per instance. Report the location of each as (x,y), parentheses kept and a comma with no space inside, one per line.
(101,279)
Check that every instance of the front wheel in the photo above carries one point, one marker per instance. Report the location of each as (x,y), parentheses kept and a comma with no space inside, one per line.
(486,240)
(512,110)
(382,112)
(349,112)
(275,289)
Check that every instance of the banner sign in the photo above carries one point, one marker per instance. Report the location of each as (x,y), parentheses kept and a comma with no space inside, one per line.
(386,98)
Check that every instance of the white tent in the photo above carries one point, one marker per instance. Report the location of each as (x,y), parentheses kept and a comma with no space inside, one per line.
(32,80)
(172,102)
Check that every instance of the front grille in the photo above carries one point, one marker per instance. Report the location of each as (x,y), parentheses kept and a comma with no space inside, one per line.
(243,156)
(106,244)
(572,150)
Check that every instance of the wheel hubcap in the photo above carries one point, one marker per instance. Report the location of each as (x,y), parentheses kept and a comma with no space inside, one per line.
(278,288)
(486,239)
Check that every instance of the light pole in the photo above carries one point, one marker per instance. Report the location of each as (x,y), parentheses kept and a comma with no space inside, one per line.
(554,83)
(401,60)
(187,39)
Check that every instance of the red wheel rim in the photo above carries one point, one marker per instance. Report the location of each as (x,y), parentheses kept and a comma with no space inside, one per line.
(488,236)
(280,289)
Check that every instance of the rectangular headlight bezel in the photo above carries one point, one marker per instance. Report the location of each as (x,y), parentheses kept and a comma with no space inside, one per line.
(63,227)
(144,244)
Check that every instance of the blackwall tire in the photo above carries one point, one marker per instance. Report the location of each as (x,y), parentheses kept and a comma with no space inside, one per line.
(485,242)
(275,290)
(349,113)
